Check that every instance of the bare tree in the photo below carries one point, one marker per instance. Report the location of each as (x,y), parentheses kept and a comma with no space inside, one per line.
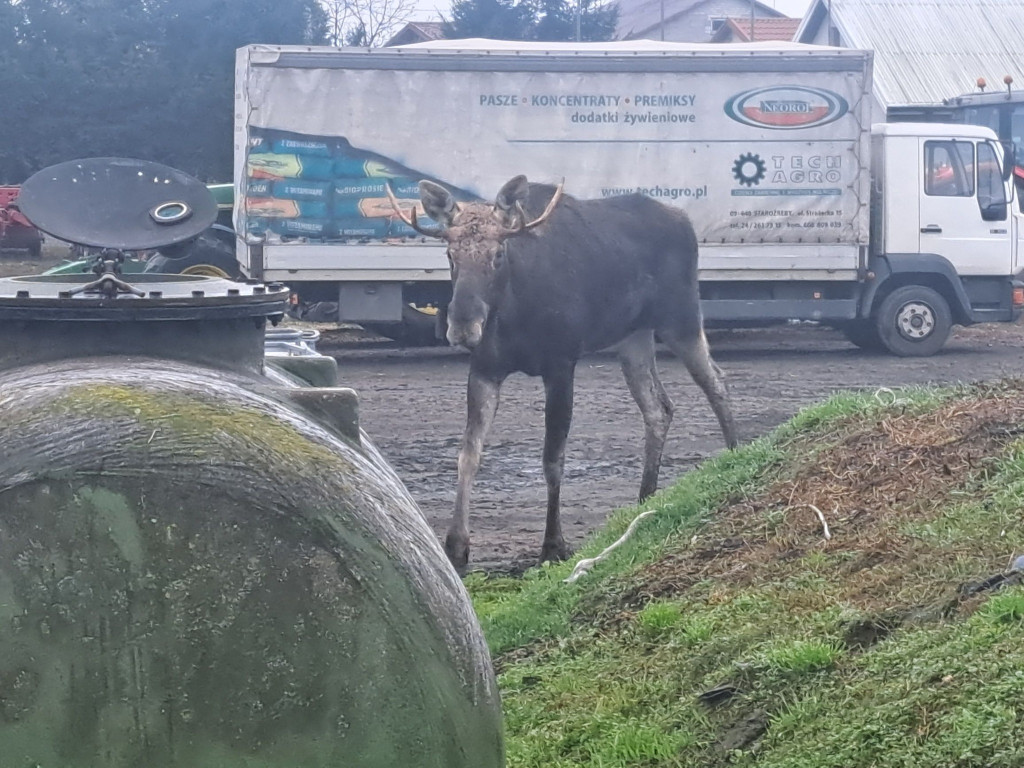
(337,15)
(367,23)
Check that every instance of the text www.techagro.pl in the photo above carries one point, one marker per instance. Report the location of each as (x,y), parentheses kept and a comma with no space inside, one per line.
(665,193)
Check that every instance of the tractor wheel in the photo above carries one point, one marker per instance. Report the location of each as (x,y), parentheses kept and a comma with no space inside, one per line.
(208,256)
(416,329)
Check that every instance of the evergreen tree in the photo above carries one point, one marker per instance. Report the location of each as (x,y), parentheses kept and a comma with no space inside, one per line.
(495,19)
(152,79)
(16,89)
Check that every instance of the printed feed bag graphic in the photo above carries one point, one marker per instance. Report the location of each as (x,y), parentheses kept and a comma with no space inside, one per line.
(750,156)
(321,188)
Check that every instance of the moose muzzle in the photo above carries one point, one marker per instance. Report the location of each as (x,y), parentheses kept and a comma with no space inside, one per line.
(466,320)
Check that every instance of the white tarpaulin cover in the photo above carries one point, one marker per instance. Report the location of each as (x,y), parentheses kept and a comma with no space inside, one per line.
(752,151)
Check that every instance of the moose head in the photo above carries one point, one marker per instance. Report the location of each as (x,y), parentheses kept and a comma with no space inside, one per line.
(476,234)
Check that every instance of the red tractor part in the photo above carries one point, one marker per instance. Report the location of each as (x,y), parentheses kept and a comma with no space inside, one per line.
(16,231)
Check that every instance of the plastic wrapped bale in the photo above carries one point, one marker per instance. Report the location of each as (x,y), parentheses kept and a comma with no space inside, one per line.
(194,572)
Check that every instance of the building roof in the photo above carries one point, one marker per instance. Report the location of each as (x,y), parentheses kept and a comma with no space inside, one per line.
(417,32)
(738,28)
(631,48)
(640,18)
(927,51)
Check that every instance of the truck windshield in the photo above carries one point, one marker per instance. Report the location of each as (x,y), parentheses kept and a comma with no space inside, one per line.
(1007,120)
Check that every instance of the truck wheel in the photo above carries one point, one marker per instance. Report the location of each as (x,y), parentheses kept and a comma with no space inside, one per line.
(863,334)
(913,321)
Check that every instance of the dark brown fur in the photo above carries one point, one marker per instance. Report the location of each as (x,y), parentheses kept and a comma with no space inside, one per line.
(596,274)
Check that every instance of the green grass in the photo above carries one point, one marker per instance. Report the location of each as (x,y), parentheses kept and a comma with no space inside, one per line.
(596,673)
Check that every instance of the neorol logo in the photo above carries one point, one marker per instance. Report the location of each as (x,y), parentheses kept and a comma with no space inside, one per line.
(786,107)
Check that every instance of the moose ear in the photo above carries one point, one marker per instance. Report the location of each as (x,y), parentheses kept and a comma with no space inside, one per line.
(516,190)
(438,202)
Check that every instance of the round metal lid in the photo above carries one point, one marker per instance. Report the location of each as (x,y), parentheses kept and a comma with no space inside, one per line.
(164,297)
(116,202)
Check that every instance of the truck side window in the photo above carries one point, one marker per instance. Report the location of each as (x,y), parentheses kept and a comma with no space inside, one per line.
(991,192)
(949,168)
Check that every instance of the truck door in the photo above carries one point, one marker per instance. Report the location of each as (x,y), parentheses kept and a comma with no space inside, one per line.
(963,211)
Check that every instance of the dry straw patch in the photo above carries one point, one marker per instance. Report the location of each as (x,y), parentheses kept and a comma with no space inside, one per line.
(869,481)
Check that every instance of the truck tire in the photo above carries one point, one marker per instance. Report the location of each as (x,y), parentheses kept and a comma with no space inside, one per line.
(913,321)
(208,256)
(863,334)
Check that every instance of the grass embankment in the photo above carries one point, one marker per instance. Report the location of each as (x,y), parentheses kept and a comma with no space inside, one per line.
(729,631)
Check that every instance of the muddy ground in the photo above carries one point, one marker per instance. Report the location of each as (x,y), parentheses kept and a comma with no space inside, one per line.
(19,262)
(413,406)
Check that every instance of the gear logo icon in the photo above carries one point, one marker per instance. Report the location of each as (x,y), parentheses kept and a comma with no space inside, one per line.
(749,169)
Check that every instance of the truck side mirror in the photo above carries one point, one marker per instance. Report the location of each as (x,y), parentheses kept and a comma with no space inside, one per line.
(1009,159)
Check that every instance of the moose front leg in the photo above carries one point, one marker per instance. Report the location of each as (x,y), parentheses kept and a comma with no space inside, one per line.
(482,402)
(558,388)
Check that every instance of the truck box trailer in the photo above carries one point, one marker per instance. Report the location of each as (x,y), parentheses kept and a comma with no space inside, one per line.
(801,210)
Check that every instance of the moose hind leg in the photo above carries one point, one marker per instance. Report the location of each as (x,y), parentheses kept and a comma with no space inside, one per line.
(692,349)
(558,390)
(636,355)
(482,396)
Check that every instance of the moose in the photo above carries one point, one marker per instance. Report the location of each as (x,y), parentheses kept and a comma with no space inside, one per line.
(533,292)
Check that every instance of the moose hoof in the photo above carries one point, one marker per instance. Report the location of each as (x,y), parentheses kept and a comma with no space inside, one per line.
(555,553)
(457,550)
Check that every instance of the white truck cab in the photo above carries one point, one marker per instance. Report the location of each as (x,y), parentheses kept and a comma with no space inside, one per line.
(945,238)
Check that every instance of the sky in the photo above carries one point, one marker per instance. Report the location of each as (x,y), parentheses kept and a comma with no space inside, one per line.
(794,8)
(428,10)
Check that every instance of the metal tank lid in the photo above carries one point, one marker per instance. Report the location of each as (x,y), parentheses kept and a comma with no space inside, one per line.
(115,206)
(155,297)
(117,203)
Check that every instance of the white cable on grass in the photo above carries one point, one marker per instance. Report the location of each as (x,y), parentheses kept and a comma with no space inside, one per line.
(895,400)
(584,565)
(824,525)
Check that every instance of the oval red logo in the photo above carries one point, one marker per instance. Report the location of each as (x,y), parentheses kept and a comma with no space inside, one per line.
(786,107)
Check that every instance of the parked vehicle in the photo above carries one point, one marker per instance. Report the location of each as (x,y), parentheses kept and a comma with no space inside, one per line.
(803,210)
(17,232)
(1002,111)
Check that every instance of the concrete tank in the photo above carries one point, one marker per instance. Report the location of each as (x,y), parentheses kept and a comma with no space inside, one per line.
(202,568)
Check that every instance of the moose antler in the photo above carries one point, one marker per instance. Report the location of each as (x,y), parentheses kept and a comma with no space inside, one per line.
(527,225)
(411,220)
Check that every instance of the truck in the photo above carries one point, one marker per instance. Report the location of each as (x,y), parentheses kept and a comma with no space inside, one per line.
(892,233)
